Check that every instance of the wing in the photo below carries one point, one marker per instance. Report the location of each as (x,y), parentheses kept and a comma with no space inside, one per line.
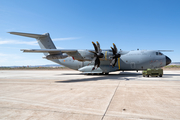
(166,50)
(50,51)
(74,53)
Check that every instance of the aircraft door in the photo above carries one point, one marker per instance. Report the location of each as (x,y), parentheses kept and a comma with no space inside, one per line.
(82,64)
(133,66)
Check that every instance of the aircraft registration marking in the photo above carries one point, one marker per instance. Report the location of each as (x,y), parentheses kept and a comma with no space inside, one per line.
(119,63)
(106,55)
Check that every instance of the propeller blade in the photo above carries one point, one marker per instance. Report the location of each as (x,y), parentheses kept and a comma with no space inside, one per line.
(113,51)
(92,52)
(97,54)
(95,47)
(94,59)
(97,62)
(115,48)
(98,47)
(115,55)
(113,62)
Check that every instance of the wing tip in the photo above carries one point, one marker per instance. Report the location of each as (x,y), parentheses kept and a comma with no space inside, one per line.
(10,32)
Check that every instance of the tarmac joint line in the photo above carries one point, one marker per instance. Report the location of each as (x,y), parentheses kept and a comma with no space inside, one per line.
(110,101)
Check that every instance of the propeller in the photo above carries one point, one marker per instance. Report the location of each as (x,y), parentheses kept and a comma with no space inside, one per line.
(97,54)
(115,55)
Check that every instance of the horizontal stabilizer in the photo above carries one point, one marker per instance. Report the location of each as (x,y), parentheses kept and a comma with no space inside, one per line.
(43,40)
(30,34)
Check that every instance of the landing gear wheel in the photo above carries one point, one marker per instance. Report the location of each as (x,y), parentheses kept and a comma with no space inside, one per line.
(160,75)
(106,73)
(147,75)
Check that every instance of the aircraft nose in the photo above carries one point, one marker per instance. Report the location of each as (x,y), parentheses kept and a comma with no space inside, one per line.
(168,60)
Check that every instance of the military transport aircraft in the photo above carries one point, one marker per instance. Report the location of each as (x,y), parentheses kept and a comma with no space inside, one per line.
(97,60)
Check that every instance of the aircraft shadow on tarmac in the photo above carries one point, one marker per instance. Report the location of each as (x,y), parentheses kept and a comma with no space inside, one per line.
(120,76)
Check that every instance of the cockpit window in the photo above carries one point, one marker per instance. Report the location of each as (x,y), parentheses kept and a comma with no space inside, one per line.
(159,53)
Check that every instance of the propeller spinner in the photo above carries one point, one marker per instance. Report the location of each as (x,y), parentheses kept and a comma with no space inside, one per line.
(97,54)
(115,55)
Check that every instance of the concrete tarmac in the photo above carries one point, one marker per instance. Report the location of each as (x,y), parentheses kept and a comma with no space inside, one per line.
(70,95)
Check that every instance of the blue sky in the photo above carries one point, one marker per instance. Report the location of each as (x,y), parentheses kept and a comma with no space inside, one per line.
(74,24)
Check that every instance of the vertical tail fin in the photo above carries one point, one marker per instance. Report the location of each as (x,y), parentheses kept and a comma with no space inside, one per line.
(44,40)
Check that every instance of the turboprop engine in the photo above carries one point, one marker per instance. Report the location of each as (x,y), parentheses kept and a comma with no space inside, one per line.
(58,56)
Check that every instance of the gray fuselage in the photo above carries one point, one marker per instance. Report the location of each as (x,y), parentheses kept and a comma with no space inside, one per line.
(129,60)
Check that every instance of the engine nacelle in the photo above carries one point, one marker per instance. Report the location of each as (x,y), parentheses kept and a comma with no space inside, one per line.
(51,57)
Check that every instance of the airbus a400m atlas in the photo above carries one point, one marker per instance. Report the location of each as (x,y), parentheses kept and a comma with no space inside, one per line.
(97,60)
